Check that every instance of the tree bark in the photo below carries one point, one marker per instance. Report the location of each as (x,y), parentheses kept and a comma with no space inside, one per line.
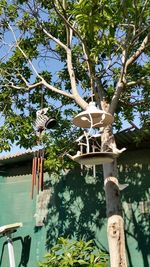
(115,225)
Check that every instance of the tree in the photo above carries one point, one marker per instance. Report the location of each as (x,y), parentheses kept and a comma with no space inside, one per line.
(102,51)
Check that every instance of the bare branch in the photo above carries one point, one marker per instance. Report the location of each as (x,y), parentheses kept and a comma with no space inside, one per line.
(97,88)
(23,53)
(120,85)
(136,103)
(99,91)
(68,23)
(41,25)
(79,100)
(47,85)
(71,33)
(138,35)
(24,80)
(143,9)
(116,96)
(26,88)
(43,82)
(54,39)
(142,80)
(89,64)
(123,69)
(122,81)
(133,125)
(30,86)
(5,56)
(12,85)
(140,50)
(35,85)
(56,90)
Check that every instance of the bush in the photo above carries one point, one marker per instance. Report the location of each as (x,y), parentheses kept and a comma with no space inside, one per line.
(67,253)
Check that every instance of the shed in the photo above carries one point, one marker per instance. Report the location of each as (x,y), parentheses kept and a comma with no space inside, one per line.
(75,205)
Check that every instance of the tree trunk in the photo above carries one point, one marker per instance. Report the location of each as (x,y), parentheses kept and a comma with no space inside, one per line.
(115,226)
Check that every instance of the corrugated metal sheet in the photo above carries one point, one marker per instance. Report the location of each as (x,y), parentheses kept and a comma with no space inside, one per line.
(126,138)
(17,157)
(129,139)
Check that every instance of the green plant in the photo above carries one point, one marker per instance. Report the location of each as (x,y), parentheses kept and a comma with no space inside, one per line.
(67,253)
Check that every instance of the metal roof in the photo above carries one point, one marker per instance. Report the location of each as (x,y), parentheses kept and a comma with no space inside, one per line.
(133,139)
(17,157)
(126,138)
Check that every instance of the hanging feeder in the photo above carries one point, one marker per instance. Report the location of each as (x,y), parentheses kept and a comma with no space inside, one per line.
(95,158)
(43,121)
(50,123)
(93,117)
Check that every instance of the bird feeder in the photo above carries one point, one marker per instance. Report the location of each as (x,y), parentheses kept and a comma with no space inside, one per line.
(50,123)
(95,158)
(43,121)
(93,154)
(93,117)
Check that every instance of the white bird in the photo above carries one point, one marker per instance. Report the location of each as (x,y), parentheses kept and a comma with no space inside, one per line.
(118,151)
(95,135)
(79,138)
(73,157)
(122,186)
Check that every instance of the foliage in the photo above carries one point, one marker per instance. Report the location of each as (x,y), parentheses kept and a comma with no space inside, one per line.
(63,53)
(69,253)
(102,36)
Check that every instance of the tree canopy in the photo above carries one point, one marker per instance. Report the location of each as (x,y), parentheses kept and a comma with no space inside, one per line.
(62,54)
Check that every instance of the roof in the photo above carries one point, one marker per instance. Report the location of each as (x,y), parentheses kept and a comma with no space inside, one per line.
(126,138)
(17,157)
(133,139)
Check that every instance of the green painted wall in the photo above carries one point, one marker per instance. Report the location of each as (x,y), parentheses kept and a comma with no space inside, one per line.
(136,204)
(16,206)
(77,208)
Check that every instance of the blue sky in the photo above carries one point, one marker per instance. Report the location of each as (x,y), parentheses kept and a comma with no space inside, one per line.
(53,65)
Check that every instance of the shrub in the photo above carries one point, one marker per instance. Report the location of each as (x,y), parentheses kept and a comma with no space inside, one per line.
(67,253)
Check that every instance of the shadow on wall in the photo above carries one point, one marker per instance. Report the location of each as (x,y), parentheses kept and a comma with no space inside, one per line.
(25,250)
(136,201)
(77,207)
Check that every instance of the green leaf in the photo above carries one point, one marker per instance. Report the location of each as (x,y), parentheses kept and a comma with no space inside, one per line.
(74,253)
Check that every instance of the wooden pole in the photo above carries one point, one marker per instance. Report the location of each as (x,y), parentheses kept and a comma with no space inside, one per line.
(33,174)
